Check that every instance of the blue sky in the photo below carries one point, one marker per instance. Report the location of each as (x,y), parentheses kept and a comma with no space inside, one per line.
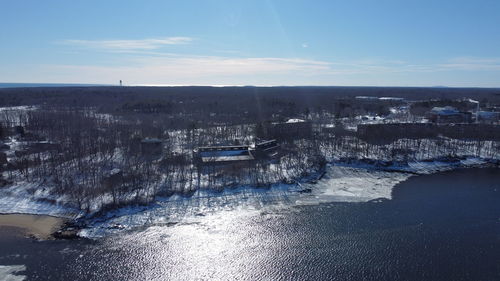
(259,42)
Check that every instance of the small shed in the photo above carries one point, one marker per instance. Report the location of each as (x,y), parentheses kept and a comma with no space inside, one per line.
(266,145)
(267,148)
(113,178)
(19,130)
(151,146)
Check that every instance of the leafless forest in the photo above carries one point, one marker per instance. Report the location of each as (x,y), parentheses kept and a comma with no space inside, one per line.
(85,146)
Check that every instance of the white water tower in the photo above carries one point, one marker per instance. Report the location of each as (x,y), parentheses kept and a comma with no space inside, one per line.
(477,108)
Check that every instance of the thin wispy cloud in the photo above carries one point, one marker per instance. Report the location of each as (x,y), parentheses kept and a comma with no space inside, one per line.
(472,64)
(203,65)
(179,69)
(127,45)
(149,53)
(376,65)
(370,66)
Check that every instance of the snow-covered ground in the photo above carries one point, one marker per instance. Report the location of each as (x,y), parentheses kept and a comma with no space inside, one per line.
(355,182)
(12,115)
(341,183)
(175,209)
(18,199)
(437,166)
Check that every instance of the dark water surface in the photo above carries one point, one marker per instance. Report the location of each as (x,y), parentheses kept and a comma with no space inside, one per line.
(438,227)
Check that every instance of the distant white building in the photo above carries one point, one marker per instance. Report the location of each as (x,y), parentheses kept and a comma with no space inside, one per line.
(292,128)
(295,120)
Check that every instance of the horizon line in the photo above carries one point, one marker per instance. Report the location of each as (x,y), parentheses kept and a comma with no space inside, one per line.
(63,84)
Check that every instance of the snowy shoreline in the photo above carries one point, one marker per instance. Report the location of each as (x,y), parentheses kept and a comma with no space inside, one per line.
(344,180)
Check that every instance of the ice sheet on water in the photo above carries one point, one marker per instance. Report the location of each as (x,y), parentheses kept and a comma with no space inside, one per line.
(356,184)
(11,272)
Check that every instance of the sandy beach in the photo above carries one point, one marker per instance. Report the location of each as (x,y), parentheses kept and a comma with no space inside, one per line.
(39,226)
